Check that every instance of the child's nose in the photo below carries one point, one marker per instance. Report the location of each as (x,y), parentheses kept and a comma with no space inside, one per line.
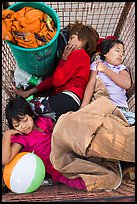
(23,125)
(68,41)
(121,54)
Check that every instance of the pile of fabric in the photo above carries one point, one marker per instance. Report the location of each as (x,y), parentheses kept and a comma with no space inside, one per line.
(28,27)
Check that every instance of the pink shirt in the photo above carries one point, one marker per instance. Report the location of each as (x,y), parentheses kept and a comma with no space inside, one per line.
(40,143)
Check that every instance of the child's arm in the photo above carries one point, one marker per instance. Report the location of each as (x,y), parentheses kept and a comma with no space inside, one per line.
(23,93)
(9,151)
(122,78)
(44,85)
(76,62)
(89,89)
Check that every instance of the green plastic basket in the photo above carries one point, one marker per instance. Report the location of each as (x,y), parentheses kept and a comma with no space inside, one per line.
(37,61)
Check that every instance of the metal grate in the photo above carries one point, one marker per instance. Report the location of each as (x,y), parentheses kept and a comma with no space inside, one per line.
(103,16)
(108,18)
(62,193)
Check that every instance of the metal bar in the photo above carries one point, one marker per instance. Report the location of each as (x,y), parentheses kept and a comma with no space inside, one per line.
(123,18)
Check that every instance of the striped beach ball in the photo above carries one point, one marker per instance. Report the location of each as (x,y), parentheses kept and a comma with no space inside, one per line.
(25,173)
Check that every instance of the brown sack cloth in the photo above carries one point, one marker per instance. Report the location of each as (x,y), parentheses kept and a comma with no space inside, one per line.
(90,142)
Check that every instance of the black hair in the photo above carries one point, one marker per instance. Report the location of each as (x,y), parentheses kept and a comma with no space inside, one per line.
(107,44)
(16,108)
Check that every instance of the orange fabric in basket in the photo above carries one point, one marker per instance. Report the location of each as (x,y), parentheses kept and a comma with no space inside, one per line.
(23,26)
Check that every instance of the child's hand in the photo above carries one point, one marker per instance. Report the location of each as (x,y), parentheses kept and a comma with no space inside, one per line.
(100,66)
(68,49)
(19,92)
(12,132)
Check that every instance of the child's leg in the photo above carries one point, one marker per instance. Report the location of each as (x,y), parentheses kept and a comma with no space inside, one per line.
(130,116)
(53,106)
(62,103)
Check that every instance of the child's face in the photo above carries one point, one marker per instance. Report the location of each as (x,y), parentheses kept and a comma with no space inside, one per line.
(25,125)
(115,55)
(75,41)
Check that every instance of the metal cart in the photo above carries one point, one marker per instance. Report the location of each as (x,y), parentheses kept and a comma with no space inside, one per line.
(108,18)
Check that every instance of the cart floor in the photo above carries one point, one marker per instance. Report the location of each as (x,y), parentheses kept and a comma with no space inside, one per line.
(62,193)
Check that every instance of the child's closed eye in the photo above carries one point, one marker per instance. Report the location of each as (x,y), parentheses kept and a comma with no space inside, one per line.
(119,51)
(16,126)
(25,119)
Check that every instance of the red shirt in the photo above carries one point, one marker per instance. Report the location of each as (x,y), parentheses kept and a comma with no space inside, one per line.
(71,74)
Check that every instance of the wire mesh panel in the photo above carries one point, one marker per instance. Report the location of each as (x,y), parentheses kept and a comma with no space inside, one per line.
(108,18)
(127,35)
(103,16)
(8,67)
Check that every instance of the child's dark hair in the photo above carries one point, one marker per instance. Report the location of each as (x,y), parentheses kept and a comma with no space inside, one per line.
(86,33)
(106,45)
(16,108)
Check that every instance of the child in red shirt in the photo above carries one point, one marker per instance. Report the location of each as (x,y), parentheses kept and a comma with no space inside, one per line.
(70,78)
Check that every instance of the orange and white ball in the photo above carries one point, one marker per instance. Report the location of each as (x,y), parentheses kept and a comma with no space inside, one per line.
(25,173)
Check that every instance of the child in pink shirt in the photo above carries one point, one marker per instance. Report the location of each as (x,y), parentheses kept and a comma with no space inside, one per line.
(31,134)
